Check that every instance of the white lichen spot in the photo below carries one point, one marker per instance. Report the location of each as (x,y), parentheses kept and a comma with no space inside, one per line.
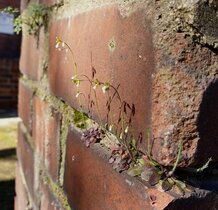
(129,182)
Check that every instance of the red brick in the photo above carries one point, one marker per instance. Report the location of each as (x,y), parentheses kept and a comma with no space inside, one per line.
(32,49)
(25,105)
(46,130)
(21,200)
(130,64)
(204,200)
(9,73)
(91,183)
(184,106)
(16,203)
(43,53)
(40,108)
(23,4)
(52,155)
(6,3)
(29,52)
(47,2)
(26,161)
(10,46)
(49,201)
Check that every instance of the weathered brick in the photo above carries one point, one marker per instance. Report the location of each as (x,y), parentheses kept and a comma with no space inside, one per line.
(119,48)
(48,2)
(91,183)
(204,200)
(52,154)
(29,52)
(21,200)
(25,105)
(177,101)
(15,203)
(184,86)
(46,130)
(32,49)
(49,201)
(23,4)
(40,109)
(26,160)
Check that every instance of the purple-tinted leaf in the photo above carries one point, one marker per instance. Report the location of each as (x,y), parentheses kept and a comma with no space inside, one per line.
(87,144)
(166,185)
(146,174)
(118,159)
(92,136)
(115,166)
(154,178)
(114,147)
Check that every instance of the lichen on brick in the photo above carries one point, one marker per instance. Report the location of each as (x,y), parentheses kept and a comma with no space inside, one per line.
(184,71)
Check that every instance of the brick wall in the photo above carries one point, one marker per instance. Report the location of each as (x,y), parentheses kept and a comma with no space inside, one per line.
(9,61)
(133,46)
(9,74)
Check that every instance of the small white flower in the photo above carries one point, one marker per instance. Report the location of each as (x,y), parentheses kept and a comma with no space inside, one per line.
(74,77)
(110,127)
(77,95)
(105,88)
(127,129)
(57,45)
(77,83)
(95,86)
(63,45)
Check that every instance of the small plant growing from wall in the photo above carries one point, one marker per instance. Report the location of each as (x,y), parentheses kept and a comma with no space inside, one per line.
(125,154)
(34,17)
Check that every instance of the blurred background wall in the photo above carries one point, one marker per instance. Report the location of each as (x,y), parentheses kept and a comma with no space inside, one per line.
(9,64)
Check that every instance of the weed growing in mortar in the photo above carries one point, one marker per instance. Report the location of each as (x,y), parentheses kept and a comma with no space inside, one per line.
(80,119)
(125,152)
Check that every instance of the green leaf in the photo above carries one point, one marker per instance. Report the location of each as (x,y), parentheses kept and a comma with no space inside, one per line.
(204,166)
(167,185)
(147,172)
(135,171)
(141,161)
(154,178)
(133,142)
(79,119)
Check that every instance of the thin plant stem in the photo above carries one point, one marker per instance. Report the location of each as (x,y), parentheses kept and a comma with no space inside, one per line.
(177,159)
(73,58)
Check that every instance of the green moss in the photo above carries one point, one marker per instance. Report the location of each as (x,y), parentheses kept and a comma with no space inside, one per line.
(58,192)
(69,116)
(64,132)
(27,135)
(80,119)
